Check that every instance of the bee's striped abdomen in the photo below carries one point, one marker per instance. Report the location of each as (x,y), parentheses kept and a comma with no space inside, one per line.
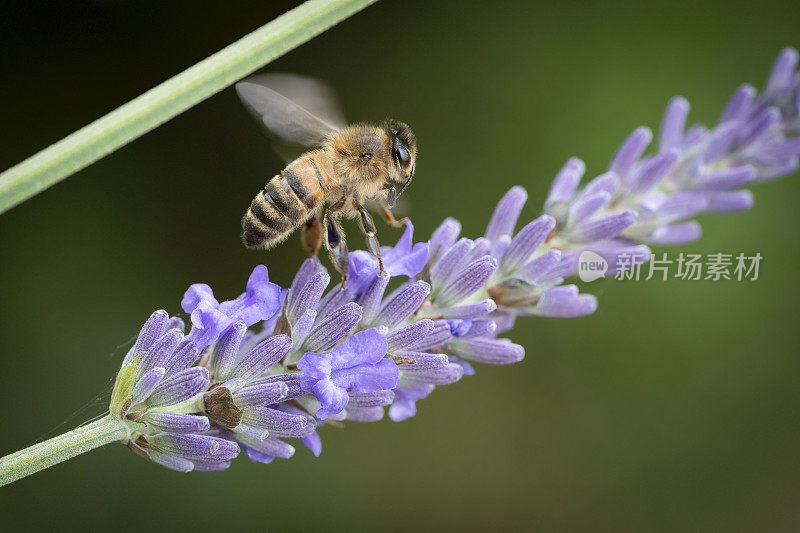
(287,201)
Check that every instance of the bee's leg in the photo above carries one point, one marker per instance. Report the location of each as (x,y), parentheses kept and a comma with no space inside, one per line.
(333,239)
(368,227)
(311,236)
(386,214)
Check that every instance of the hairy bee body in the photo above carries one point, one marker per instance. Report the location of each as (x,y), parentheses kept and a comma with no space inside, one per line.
(347,169)
(353,166)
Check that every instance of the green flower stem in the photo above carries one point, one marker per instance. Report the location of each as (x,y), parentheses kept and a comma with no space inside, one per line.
(171,98)
(53,451)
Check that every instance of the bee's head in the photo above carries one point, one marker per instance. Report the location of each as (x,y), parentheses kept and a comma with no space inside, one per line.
(404,151)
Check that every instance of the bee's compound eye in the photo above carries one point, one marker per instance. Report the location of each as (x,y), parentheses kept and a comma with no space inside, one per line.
(400,153)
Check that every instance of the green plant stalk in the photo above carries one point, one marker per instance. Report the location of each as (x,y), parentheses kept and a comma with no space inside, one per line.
(53,451)
(171,98)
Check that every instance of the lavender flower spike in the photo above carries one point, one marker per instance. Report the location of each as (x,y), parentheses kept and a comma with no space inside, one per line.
(156,406)
(273,365)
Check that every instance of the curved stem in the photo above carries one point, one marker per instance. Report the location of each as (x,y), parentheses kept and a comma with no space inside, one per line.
(53,451)
(171,98)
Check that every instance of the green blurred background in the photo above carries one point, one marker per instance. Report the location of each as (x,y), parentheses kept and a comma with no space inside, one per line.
(674,408)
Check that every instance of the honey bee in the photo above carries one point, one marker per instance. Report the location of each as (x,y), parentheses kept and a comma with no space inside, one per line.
(343,167)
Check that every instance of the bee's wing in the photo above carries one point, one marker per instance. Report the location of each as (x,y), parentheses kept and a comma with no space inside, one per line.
(298,112)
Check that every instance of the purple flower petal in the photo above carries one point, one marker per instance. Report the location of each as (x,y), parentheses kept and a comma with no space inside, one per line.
(260,301)
(313,443)
(400,338)
(466,368)
(370,399)
(782,70)
(364,414)
(146,385)
(223,361)
(172,462)
(503,320)
(183,357)
(292,382)
(720,141)
(727,178)
(491,351)
(526,242)
(470,311)
(673,124)
(160,352)
(723,202)
(333,398)
(445,267)
(336,298)
(672,234)
(261,394)
(435,369)
(367,378)
(506,213)
(565,302)
(607,182)
(536,269)
(586,206)
(175,323)
(777,170)
(405,398)
(459,328)
(177,423)
(739,104)
(680,205)
(405,258)
(306,296)
(262,357)
(303,327)
(605,227)
(278,423)
(444,236)
(438,336)
(357,365)
(188,446)
(307,270)
(211,465)
(363,348)
(361,271)
(196,293)
(179,387)
(646,177)
(402,303)
(333,327)
(208,323)
(370,300)
(566,181)
(630,151)
(150,332)
(759,127)
(265,448)
(467,281)
(780,149)
(481,328)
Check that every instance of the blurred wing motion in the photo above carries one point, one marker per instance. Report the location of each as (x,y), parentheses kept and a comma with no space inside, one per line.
(298,112)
